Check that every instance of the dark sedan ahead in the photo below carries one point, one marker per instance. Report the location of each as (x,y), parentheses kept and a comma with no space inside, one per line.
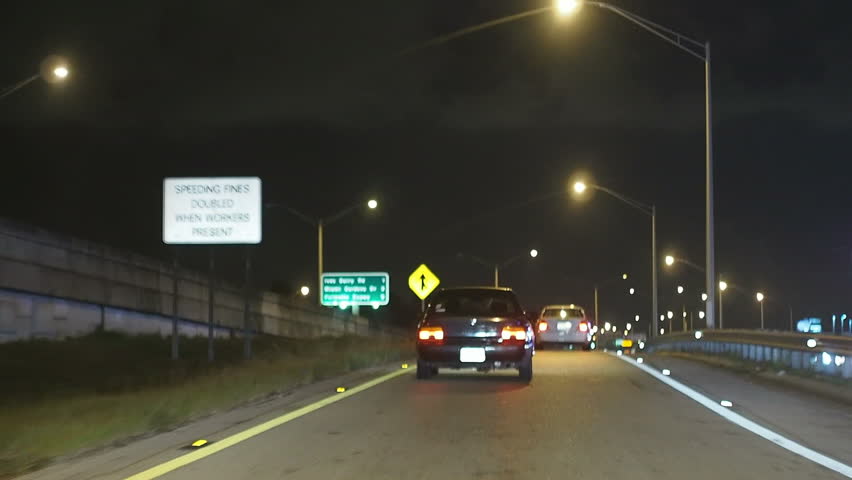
(474,327)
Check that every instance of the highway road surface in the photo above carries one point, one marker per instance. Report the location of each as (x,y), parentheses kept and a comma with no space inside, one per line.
(586,415)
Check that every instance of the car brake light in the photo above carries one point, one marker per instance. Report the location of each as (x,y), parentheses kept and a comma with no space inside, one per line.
(431,333)
(584,327)
(542,326)
(516,333)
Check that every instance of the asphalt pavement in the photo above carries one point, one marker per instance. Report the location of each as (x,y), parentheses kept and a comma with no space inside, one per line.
(586,415)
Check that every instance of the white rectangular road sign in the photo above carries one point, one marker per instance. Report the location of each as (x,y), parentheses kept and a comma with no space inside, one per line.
(212,210)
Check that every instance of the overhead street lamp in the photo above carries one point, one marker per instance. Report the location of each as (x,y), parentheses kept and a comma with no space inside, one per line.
(321,223)
(723,285)
(759,297)
(624,276)
(580,187)
(533,253)
(53,69)
(699,50)
(670,260)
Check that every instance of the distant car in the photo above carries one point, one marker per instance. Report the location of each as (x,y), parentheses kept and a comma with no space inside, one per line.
(564,325)
(475,327)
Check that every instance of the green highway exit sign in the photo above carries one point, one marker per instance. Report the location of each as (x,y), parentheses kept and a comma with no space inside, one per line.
(345,289)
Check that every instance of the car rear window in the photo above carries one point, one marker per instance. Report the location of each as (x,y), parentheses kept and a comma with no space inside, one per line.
(569,312)
(495,303)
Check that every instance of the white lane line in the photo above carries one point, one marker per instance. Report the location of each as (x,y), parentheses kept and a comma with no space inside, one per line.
(743,422)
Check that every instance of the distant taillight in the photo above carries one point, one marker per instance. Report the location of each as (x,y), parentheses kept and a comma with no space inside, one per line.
(513,333)
(542,326)
(431,333)
(584,327)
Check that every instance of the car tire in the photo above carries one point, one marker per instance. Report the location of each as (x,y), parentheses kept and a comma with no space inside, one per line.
(425,371)
(525,369)
(587,347)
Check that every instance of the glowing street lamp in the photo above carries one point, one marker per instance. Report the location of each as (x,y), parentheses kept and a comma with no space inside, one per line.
(679,289)
(723,285)
(568,7)
(760,297)
(53,69)
(533,253)
(305,290)
(649,210)
(670,260)
(320,224)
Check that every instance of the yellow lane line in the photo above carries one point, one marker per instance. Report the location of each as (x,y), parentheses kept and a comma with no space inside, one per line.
(236,438)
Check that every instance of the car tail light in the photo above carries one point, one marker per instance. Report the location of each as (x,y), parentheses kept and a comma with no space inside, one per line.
(431,333)
(542,326)
(584,326)
(513,333)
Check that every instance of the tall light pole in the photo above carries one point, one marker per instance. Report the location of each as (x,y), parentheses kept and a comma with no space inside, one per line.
(53,69)
(624,276)
(683,307)
(699,50)
(533,253)
(321,223)
(759,297)
(723,285)
(650,210)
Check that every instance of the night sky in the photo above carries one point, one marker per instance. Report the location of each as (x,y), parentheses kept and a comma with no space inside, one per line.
(452,140)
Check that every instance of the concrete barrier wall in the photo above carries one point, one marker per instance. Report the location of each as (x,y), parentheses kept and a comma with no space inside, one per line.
(53,286)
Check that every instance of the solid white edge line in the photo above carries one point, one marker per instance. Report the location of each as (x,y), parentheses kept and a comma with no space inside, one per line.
(745,423)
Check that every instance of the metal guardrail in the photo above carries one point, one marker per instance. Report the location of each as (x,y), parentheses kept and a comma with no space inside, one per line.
(787,340)
(826,354)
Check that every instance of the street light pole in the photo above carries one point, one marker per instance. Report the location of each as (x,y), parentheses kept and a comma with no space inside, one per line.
(497,266)
(709,216)
(654,266)
(319,261)
(651,211)
(692,47)
(320,223)
(53,69)
(596,305)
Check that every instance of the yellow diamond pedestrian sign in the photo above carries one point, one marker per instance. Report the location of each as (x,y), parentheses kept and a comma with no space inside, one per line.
(422,282)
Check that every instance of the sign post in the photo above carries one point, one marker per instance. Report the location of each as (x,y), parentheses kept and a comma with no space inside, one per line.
(353,289)
(212,211)
(423,282)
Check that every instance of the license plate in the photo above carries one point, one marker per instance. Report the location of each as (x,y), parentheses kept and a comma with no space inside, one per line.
(472,355)
(563,326)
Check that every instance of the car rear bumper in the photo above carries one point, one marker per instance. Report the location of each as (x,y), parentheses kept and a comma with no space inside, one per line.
(556,337)
(496,356)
